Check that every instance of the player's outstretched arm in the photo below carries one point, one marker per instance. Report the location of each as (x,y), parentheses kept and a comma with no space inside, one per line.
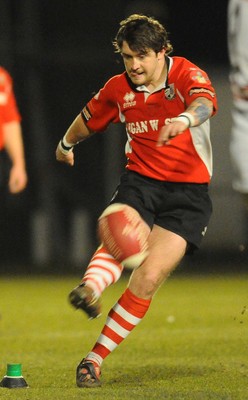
(77,132)
(14,147)
(198,112)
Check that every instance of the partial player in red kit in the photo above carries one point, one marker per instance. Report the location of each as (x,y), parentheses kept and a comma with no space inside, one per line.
(11,134)
(165,103)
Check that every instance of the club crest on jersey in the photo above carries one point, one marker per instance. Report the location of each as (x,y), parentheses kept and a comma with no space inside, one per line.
(199,77)
(169,92)
(129,100)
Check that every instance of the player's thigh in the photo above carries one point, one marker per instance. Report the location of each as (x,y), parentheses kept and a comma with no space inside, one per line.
(165,251)
(165,246)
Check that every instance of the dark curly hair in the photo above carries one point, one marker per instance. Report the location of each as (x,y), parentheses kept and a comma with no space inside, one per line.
(141,33)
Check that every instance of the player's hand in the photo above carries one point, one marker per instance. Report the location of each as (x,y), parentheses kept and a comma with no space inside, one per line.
(65,158)
(170,130)
(17,179)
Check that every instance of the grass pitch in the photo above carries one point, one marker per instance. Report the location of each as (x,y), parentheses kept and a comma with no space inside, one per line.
(192,344)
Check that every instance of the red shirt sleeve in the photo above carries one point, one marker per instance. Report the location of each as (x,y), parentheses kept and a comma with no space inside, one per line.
(8,108)
(194,83)
(102,109)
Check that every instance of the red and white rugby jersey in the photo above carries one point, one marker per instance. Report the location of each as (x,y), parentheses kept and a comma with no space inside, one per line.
(188,157)
(8,108)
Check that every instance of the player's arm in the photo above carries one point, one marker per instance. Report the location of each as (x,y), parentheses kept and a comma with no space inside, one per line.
(77,132)
(13,144)
(198,112)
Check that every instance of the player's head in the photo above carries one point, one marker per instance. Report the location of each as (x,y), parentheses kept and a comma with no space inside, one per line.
(142,33)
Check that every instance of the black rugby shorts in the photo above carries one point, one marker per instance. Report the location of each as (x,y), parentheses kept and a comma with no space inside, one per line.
(182,208)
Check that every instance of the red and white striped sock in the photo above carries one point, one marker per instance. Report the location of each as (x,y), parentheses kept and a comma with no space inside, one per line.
(102,271)
(121,320)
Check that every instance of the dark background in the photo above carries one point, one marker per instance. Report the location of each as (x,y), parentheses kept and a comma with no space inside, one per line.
(59,53)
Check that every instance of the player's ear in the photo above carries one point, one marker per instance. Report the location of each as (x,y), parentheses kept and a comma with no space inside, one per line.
(161,53)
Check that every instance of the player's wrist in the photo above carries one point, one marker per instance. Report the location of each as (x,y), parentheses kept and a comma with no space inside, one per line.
(186,118)
(181,118)
(64,149)
(65,146)
(190,118)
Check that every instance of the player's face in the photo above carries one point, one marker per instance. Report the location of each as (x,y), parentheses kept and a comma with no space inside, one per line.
(142,68)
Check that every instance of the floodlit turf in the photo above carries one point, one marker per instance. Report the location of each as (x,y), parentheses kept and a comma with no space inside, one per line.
(192,344)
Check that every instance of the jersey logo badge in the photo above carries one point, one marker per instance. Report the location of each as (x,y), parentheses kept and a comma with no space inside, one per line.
(129,100)
(169,92)
(199,77)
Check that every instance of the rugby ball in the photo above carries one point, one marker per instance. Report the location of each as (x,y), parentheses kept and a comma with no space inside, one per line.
(122,232)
